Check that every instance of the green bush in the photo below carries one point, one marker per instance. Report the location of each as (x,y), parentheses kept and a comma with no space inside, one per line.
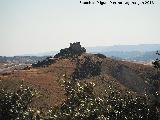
(82,104)
(14,105)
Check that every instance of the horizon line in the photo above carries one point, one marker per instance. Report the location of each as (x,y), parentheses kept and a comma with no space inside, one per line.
(51,51)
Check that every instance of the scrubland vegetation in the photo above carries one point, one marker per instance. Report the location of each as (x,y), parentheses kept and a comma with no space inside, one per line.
(81,104)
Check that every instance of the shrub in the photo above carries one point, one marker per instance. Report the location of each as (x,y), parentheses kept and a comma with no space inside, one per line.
(82,104)
(87,67)
(14,105)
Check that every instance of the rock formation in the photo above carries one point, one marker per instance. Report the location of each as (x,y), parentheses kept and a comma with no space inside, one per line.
(87,66)
(73,51)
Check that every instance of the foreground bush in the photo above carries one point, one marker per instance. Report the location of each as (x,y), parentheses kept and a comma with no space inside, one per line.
(14,105)
(82,104)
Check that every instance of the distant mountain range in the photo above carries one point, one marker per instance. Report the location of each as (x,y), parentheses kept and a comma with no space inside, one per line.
(142,52)
(125,48)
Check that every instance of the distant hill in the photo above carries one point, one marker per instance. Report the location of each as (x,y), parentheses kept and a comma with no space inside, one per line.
(125,48)
(103,49)
(133,55)
(143,52)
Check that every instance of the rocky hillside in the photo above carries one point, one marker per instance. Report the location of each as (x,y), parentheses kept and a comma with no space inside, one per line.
(87,65)
(74,63)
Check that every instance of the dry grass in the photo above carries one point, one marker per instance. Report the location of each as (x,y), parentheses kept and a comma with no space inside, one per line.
(47,80)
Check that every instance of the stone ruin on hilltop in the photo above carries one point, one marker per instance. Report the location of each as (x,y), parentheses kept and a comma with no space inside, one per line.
(74,50)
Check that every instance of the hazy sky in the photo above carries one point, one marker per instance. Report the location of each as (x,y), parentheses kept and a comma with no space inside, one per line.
(34,26)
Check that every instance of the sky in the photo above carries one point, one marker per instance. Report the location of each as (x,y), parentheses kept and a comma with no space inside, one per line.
(35,26)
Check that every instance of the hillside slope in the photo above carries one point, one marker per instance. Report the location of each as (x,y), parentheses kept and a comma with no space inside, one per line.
(95,68)
(123,75)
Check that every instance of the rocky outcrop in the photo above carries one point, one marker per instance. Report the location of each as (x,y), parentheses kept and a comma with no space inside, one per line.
(73,51)
(87,66)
